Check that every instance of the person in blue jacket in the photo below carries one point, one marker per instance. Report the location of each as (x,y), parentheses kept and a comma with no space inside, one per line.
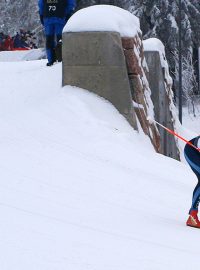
(53,15)
(192,156)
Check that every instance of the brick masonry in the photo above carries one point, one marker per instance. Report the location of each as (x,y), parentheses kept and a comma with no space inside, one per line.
(134,55)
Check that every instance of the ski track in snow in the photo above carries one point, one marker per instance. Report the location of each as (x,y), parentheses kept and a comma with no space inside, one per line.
(79,189)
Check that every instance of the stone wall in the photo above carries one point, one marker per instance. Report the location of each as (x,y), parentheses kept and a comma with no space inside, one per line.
(141,93)
(95,61)
(163,103)
(116,69)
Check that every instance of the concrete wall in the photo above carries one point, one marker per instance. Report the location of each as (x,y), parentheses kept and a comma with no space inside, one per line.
(161,103)
(95,61)
(141,93)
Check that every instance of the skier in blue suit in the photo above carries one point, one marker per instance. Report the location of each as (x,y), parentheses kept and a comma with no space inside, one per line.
(192,156)
(53,15)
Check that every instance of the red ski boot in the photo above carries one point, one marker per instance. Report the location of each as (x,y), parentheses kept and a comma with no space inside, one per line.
(193,220)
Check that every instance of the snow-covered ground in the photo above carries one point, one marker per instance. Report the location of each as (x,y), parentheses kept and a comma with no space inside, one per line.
(26,55)
(81,190)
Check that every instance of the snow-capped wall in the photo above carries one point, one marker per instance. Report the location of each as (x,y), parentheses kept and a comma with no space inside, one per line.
(104,18)
(141,93)
(156,45)
(162,95)
(107,58)
(95,61)
(95,57)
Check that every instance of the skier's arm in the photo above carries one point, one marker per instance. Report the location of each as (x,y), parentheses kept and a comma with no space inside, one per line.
(70,7)
(41,7)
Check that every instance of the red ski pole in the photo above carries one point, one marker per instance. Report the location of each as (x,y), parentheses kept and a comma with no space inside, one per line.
(177,135)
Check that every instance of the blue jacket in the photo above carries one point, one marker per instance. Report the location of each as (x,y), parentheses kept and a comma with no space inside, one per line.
(68,5)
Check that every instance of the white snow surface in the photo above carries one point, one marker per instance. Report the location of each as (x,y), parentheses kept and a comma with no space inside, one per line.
(79,188)
(154,44)
(26,55)
(104,18)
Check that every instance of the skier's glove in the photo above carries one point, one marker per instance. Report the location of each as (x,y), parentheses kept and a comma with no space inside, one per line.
(42,19)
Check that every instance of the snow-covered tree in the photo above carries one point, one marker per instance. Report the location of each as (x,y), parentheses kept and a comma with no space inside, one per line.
(21,14)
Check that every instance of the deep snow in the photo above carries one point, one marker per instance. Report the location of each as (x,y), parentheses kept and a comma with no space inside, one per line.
(79,189)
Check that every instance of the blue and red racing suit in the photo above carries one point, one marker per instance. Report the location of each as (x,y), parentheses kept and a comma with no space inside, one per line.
(193,158)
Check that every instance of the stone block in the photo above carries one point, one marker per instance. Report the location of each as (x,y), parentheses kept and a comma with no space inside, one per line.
(128,43)
(92,49)
(132,62)
(161,103)
(95,61)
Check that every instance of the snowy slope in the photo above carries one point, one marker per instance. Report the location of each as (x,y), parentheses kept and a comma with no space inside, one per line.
(79,189)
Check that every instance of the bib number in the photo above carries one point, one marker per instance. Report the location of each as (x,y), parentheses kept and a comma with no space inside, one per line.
(52,8)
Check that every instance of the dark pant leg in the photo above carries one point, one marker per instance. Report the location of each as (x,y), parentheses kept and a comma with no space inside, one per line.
(58,38)
(58,31)
(193,158)
(50,48)
(50,41)
(58,50)
(196,193)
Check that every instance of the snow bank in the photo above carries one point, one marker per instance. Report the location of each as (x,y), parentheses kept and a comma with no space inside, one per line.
(79,189)
(104,18)
(27,55)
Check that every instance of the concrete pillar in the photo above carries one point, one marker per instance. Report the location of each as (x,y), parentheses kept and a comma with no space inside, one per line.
(161,103)
(95,61)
